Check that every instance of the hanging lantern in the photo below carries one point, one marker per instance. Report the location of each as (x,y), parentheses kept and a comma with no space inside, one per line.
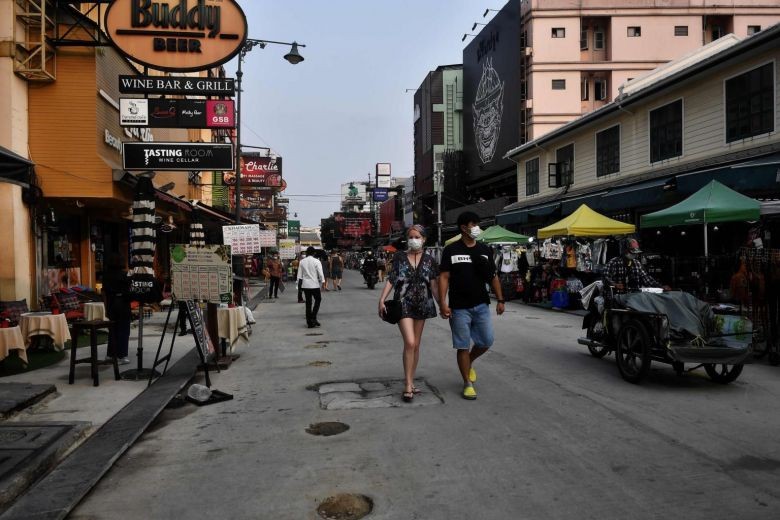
(143,285)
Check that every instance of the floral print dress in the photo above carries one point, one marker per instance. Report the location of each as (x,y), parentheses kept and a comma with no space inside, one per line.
(412,285)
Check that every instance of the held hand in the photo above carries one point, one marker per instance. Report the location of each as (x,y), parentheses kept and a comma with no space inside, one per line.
(445,311)
(382,310)
(500,309)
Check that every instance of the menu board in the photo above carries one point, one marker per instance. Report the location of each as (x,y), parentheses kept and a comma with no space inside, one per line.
(287,249)
(268,237)
(198,326)
(202,273)
(243,240)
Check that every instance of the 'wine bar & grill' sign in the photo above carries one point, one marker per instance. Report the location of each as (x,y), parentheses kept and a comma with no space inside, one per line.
(177,35)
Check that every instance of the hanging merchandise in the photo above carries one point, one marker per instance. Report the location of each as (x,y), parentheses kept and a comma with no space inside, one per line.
(508,260)
(144,288)
(197,236)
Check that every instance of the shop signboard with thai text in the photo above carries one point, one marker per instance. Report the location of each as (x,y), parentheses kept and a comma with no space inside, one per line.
(177,113)
(177,85)
(202,273)
(177,156)
(243,240)
(177,35)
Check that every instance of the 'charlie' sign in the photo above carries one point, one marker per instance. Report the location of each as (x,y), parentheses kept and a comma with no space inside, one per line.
(177,35)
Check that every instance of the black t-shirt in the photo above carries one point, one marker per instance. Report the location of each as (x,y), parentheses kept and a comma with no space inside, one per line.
(471,269)
(116,287)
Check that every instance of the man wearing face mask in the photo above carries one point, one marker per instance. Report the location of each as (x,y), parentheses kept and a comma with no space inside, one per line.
(626,271)
(467,267)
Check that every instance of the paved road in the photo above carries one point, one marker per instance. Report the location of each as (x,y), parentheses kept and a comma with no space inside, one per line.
(554,434)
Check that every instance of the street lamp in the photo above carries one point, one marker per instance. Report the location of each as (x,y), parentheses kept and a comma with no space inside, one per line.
(294,57)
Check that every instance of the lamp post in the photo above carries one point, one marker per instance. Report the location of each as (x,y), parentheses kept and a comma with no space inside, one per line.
(294,57)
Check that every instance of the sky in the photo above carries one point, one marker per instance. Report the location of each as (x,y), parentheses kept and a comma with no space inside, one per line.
(344,109)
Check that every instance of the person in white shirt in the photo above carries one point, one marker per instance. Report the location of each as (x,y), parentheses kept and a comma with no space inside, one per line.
(311,278)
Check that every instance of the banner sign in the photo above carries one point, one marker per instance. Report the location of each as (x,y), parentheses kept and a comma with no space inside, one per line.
(176,113)
(294,228)
(177,156)
(202,273)
(287,249)
(381,194)
(268,238)
(177,35)
(177,85)
(252,199)
(243,240)
(257,171)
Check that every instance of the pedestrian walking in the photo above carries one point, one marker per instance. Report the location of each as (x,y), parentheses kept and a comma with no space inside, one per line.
(413,280)
(325,259)
(467,267)
(116,292)
(275,271)
(311,277)
(381,263)
(336,269)
(300,287)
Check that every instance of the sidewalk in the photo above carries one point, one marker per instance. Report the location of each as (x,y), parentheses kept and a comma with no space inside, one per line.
(84,429)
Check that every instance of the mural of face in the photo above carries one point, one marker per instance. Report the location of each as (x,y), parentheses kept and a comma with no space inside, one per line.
(488,110)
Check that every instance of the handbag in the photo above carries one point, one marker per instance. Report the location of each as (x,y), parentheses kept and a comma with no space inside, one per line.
(393,311)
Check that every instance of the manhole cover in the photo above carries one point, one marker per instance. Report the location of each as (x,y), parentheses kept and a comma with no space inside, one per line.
(345,507)
(320,364)
(315,345)
(326,429)
(322,342)
(564,327)
(532,317)
(314,334)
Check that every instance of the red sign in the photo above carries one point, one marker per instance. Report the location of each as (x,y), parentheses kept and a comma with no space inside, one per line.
(252,199)
(257,172)
(220,113)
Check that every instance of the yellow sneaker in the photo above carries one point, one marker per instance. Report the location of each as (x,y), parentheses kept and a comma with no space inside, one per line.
(469,393)
(472,375)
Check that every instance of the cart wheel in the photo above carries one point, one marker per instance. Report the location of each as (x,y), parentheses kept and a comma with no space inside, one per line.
(723,374)
(633,352)
(596,352)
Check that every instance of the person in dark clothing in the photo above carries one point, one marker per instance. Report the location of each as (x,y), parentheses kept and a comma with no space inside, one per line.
(275,268)
(466,269)
(116,293)
(370,266)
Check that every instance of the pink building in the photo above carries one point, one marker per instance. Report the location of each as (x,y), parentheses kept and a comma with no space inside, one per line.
(577,53)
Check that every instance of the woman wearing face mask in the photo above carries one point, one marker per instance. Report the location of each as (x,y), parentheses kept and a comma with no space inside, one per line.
(413,278)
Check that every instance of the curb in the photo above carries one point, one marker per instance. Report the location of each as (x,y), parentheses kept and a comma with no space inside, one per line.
(59,492)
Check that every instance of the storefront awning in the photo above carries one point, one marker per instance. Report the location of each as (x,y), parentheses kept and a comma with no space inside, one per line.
(14,167)
(754,176)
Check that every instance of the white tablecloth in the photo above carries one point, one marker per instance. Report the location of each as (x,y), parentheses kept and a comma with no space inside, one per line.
(94,311)
(11,339)
(45,324)
(231,325)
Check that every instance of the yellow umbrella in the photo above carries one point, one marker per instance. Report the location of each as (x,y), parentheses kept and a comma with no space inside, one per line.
(586,223)
(452,240)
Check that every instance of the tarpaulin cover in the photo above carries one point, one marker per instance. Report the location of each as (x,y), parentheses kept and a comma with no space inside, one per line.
(713,203)
(585,222)
(688,316)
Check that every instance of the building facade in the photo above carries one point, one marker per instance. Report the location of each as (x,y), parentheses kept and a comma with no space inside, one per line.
(711,115)
(540,64)
(438,139)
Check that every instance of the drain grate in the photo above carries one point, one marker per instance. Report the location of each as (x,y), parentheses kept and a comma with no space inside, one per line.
(315,345)
(320,364)
(375,393)
(314,334)
(345,507)
(326,429)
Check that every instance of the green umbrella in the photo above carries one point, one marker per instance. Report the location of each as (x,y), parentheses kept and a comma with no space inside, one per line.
(711,204)
(500,235)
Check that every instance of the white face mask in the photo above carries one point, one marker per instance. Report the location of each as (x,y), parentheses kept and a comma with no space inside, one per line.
(415,244)
(475,232)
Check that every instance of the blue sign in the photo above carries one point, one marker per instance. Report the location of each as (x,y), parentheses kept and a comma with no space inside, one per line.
(381,194)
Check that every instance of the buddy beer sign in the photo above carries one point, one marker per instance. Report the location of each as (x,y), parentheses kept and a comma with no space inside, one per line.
(177,35)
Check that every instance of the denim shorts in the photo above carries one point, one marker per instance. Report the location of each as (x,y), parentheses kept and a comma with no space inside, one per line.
(472,324)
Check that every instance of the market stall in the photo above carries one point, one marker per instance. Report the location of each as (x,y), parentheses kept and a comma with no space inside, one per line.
(572,252)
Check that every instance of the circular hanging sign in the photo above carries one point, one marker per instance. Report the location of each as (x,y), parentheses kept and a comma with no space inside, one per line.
(177,35)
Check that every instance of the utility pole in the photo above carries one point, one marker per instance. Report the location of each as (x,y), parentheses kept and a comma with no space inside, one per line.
(439,188)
